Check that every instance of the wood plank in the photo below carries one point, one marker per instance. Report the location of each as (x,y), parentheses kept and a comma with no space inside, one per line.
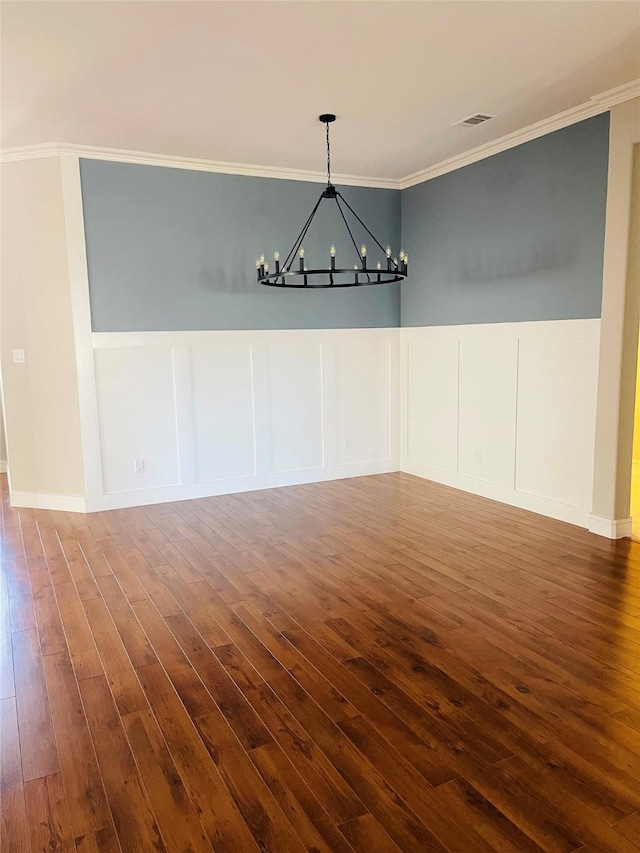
(338,800)
(21,613)
(247,725)
(366,835)
(131,633)
(266,821)
(82,647)
(37,743)
(461,799)
(404,779)
(116,663)
(14,831)
(197,700)
(79,568)
(312,824)
(179,823)
(7,683)
(367,781)
(48,815)
(218,813)
(50,629)
(103,841)
(629,828)
(83,785)
(134,820)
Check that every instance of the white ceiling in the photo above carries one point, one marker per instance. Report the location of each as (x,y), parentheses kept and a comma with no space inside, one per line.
(245,81)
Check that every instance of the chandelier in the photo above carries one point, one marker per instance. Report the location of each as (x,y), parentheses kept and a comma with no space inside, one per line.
(284,274)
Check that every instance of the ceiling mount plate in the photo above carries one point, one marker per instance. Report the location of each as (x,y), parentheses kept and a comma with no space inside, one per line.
(327,118)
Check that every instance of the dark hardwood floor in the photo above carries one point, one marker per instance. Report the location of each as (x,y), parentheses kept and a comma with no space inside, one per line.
(378,664)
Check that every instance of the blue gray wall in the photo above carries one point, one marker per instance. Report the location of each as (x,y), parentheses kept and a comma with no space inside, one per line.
(172,249)
(518,236)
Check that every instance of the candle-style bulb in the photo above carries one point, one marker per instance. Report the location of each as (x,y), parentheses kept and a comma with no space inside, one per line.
(257,263)
(302,252)
(355,266)
(332,251)
(388,251)
(395,261)
(378,266)
(406,259)
(363,250)
(261,260)
(266,268)
(402,254)
(276,256)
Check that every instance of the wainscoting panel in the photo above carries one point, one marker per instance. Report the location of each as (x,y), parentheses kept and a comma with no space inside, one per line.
(432,400)
(487,413)
(294,374)
(556,418)
(222,412)
(137,411)
(223,416)
(504,410)
(363,410)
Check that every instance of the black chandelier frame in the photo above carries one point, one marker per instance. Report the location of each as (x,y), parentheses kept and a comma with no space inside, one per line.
(360,275)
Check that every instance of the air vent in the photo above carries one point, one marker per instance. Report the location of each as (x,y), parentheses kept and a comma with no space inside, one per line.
(472,121)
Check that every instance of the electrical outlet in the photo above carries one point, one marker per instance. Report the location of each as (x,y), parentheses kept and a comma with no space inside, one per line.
(138,466)
(18,356)
(477,457)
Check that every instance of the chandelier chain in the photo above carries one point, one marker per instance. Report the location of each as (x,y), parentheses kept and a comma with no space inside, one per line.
(328,157)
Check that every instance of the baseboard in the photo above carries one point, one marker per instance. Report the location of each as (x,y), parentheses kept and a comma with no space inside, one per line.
(63,503)
(522,500)
(189,491)
(184,492)
(3,466)
(611,528)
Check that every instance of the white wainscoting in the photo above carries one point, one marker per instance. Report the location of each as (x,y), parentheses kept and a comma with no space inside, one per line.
(504,410)
(220,412)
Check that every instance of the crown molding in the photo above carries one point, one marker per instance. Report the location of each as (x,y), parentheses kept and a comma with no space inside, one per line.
(120,155)
(30,152)
(595,105)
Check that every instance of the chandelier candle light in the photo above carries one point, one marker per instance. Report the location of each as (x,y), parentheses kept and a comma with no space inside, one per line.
(284,275)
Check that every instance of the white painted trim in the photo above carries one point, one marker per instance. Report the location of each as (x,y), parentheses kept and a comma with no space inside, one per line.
(3,466)
(588,328)
(63,503)
(503,494)
(611,528)
(81,315)
(207,337)
(252,170)
(596,104)
(262,475)
(619,94)
(574,512)
(143,497)
(613,444)
(30,152)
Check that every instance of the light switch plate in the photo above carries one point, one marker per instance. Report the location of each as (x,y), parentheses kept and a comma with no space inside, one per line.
(18,356)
